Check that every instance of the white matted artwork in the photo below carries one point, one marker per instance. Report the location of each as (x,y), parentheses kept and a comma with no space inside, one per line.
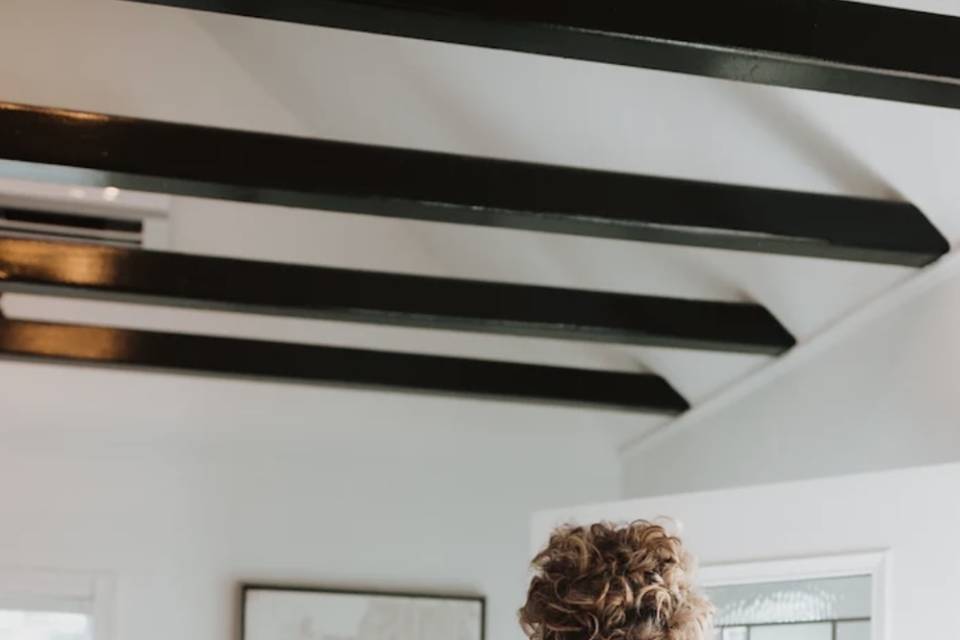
(287,613)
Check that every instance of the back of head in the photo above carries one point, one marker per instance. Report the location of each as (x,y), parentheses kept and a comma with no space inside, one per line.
(608,582)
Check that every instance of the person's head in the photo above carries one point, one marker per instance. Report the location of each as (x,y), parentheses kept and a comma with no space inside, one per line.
(609,582)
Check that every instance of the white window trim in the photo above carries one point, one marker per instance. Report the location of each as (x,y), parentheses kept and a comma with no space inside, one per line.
(875,564)
(75,592)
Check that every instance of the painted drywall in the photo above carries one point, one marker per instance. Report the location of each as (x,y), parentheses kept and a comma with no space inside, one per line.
(882,395)
(183,487)
(911,514)
(181,490)
(157,62)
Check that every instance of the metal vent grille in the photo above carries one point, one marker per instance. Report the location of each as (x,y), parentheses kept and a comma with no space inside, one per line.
(45,225)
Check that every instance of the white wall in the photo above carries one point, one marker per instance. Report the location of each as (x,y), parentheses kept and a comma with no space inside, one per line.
(881,394)
(912,514)
(181,489)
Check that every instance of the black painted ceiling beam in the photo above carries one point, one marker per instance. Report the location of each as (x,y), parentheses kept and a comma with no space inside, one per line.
(171,279)
(825,45)
(192,354)
(254,167)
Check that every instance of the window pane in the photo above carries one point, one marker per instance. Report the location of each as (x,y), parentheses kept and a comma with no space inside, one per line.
(821,631)
(853,631)
(795,601)
(44,625)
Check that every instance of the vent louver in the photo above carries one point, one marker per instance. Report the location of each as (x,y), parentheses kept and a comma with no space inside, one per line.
(45,225)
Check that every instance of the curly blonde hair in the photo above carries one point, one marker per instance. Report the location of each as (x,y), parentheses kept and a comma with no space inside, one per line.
(609,582)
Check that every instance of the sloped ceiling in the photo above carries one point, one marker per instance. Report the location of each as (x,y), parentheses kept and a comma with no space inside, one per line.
(177,65)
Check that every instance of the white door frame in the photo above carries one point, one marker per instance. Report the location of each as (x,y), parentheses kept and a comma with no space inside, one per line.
(875,564)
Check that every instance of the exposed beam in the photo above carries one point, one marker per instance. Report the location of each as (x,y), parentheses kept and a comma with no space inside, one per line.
(74,344)
(125,275)
(825,45)
(254,167)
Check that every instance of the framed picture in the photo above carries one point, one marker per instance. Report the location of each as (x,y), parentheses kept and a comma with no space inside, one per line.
(298,613)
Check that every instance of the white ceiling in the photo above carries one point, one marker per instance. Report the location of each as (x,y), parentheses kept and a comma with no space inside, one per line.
(145,61)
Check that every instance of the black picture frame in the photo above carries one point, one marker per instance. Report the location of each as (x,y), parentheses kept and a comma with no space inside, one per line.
(248,587)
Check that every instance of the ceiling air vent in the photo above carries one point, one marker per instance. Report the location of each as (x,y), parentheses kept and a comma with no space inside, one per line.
(87,228)
(91,214)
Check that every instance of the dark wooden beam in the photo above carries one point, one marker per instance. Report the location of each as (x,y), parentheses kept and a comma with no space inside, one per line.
(825,45)
(255,167)
(192,354)
(125,275)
